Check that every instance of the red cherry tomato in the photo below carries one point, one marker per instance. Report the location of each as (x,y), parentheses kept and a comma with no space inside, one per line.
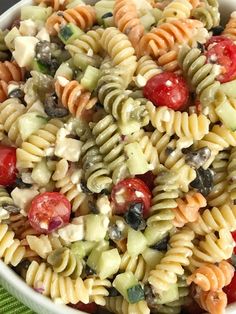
(8,169)
(223,52)
(148,178)
(167,89)
(130,191)
(49,211)
(217,40)
(91,308)
(234,237)
(230,290)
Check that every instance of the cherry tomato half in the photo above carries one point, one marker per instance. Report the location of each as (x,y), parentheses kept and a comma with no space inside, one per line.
(167,89)
(230,290)
(217,40)
(223,52)
(148,178)
(91,308)
(234,237)
(8,169)
(49,211)
(130,191)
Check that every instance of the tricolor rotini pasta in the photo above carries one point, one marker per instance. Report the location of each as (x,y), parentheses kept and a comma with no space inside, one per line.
(117,154)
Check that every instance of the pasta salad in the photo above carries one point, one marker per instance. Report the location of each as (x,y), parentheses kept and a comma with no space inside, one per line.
(117,154)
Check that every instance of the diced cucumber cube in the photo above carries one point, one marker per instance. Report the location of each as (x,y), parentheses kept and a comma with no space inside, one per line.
(35,13)
(30,122)
(69,33)
(41,174)
(104,9)
(125,283)
(10,38)
(136,162)
(108,263)
(74,3)
(148,20)
(168,296)
(136,242)
(64,70)
(152,257)
(82,248)
(157,13)
(96,253)
(156,232)
(229,88)
(90,78)
(40,67)
(227,114)
(96,227)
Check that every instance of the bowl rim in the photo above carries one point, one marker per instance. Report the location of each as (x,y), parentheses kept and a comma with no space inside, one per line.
(8,278)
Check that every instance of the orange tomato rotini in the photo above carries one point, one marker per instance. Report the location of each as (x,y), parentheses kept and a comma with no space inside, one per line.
(213,302)
(127,20)
(21,226)
(82,16)
(212,277)
(3,90)
(188,207)
(75,97)
(230,28)
(10,71)
(168,61)
(164,37)
(55,4)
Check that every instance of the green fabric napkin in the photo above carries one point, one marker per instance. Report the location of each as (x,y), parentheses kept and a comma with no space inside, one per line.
(10,305)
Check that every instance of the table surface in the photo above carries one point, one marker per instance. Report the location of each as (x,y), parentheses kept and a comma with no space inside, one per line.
(5,4)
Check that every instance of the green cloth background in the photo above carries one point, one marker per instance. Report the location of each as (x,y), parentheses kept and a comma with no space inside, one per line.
(10,305)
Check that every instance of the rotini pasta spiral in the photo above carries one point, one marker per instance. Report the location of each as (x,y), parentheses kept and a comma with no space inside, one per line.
(172,263)
(208,15)
(5,200)
(87,42)
(75,97)
(201,75)
(109,140)
(177,9)
(43,245)
(3,90)
(215,219)
(112,95)
(55,4)
(179,123)
(213,302)
(82,16)
(10,111)
(168,61)
(230,28)
(218,139)
(219,195)
(10,71)
(127,20)
(60,170)
(21,226)
(97,174)
(59,287)
(135,264)
(11,251)
(70,187)
(212,277)
(65,263)
(231,170)
(212,249)
(33,149)
(187,208)
(164,37)
(120,50)
(164,197)
(147,67)
(119,305)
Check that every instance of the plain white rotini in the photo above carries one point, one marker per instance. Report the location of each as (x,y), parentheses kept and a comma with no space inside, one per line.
(147,67)
(119,305)
(231,178)
(11,251)
(177,9)
(215,219)
(10,111)
(180,123)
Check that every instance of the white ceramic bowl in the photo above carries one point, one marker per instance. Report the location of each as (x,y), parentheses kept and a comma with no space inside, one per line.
(13,283)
